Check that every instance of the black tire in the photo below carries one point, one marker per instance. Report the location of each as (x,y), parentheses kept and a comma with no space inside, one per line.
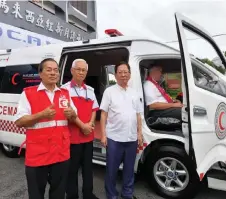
(13,153)
(177,153)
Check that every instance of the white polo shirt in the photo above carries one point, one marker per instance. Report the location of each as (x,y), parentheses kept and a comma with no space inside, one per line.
(152,94)
(122,107)
(24,107)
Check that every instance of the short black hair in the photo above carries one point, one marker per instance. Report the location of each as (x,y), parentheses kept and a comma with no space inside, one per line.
(41,65)
(122,63)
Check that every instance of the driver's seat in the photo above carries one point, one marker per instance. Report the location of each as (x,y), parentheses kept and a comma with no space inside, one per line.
(164,124)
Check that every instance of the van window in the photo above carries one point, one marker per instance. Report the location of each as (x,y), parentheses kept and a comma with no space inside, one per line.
(1,75)
(16,78)
(208,81)
(111,80)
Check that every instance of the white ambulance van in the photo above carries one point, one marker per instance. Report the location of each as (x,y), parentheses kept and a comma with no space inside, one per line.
(175,162)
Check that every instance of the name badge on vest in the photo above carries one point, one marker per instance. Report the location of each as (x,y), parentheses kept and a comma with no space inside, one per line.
(63,102)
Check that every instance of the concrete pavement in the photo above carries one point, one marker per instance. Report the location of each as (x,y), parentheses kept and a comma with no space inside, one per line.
(13,183)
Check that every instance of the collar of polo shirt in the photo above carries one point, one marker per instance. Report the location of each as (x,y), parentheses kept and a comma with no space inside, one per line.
(42,87)
(73,84)
(122,87)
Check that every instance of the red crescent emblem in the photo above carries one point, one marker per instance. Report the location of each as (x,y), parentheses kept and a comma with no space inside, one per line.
(220,121)
(13,78)
(63,103)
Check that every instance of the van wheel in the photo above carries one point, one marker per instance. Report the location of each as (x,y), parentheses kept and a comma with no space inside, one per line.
(171,174)
(10,151)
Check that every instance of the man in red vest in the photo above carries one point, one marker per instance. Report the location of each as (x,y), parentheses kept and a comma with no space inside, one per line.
(44,111)
(162,108)
(82,134)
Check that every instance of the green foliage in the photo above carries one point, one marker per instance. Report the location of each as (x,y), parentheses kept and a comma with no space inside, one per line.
(173,92)
(209,62)
(112,82)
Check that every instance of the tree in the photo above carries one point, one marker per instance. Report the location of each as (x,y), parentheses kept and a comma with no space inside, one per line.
(209,62)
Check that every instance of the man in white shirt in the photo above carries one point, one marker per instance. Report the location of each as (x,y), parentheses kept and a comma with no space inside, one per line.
(121,131)
(44,111)
(162,108)
(82,133)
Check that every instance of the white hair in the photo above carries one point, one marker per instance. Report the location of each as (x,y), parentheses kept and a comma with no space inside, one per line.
(74,63)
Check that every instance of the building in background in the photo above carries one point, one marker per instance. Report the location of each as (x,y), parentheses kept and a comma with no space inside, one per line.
(37,22)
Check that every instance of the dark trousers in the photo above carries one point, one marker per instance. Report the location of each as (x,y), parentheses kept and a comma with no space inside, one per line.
(168,119)
(117,153)
(54,174)
(81,156)
(170,112)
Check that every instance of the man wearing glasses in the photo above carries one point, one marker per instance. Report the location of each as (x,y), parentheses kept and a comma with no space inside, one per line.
(45,110)
(121,131)
(82,134)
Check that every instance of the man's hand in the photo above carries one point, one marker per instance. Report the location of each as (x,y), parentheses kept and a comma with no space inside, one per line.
(49,112)
(69,113)
(140,139)
(177,105)
(87,128)
(104,141)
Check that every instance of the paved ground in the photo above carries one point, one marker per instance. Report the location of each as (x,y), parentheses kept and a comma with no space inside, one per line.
(13,184)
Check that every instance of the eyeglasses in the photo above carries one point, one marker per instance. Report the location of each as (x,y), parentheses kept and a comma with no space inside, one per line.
(123,72)
(80,70)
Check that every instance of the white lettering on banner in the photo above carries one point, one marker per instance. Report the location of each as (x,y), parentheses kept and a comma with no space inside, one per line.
(4,6)
(40,21)
(73,35)
(8,110)
(16,11)
(30,16)
(49,25)
(66,32)
(79,37)
(59,29)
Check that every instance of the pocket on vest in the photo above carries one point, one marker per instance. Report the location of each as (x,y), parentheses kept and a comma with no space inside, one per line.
(66,140)
(36,148)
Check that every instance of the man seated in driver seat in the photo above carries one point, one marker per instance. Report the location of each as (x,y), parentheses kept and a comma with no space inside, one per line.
(162,108)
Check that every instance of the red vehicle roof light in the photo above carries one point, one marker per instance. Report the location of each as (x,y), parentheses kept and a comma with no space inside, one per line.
(113,32)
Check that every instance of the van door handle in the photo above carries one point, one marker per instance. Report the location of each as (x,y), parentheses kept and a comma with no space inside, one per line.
(199,111)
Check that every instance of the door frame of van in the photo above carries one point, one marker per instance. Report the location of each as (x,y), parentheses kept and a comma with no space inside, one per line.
(191,152)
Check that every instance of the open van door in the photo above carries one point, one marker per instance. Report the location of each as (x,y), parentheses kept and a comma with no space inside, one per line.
(204,113)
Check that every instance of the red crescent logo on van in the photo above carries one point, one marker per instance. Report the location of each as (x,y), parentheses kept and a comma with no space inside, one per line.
(13,78)
(220,121)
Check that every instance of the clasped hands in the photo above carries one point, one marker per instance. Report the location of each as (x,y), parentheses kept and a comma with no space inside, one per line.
(87,128)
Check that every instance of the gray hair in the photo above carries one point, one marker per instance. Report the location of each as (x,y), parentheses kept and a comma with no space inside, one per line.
(74,63)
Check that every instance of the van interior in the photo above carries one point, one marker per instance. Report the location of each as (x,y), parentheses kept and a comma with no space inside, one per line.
(101,75)
(171,82)
(100,71)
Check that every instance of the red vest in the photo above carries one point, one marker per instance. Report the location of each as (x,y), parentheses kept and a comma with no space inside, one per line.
(84,109)
(161,90)
(48,141)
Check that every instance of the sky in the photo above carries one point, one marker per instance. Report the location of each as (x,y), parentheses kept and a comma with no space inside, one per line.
(155,19)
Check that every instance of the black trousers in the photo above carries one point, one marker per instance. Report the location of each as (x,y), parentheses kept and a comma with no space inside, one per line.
(170,112)
(81,156)
(168,119)
(55,174)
